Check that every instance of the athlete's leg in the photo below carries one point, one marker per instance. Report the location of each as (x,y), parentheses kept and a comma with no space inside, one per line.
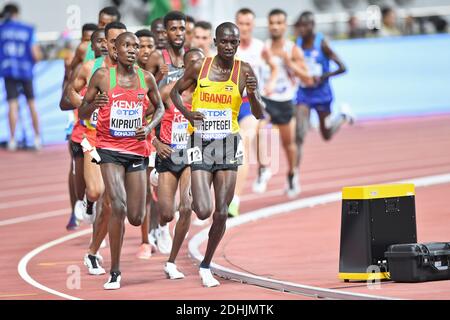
(114,178)
(167,187)
(100,227)
(136,188)
(224,184)
(34,116)
(329,126)
(145,227)
(93,179)
(12,116)
(302,126)
(288,142)
(185,211)
(202,203)
(80,185)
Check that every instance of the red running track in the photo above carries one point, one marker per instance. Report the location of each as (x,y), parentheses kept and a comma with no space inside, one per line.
(301,246)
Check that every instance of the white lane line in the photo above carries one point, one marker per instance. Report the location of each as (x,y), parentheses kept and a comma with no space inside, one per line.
(22,267)
(51,187)
(202,236)
(32,217)
(38,200)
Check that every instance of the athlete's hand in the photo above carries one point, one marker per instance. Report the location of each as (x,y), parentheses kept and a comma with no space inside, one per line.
(141,133)
(100,100)
(164,69)
(195,117)
(250,83)
(162,149)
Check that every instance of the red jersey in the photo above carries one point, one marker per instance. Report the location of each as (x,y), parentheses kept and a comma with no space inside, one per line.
(173,129)
(125,113)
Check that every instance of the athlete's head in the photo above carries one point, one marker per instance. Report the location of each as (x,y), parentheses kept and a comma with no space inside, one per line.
(87,30)
(190,25)
(112,31)
(98,43)
(175,24)
(192,56)
(146,45)
(108,15)
(277,23)
(227,40)
(305,24)
(159,31)
(203,35)
(127,48)
(10,11)
(245,20)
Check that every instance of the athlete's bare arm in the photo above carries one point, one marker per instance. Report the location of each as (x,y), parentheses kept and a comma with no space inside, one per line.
(80,53)
(64,103)
(156,66)
(268,59)
(189,79)
(96,95)
(248,81)
(79,82)
(297,64)
(155,99)
(334,57)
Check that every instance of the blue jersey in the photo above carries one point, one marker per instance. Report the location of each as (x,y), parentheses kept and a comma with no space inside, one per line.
(318,64)
(16,58)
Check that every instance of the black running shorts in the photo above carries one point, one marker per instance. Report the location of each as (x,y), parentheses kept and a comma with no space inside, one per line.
(214,155)
(14,87)
(77,150)
(280,112)
(175,164)
(131,162)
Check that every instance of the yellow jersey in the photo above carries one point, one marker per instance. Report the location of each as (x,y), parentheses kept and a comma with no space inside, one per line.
(219,101)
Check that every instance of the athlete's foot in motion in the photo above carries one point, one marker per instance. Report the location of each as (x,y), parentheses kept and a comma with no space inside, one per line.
(113,281)
(172,272)
(207,278)
(144,251)
(233,209)
(93,264)
(73,223)
(347,113)
(293,187)
(260,184)
(164,240)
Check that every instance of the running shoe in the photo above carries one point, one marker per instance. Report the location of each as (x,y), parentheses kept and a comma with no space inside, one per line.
(260,184)
(73,223)
(113,281)
(93,264)
(152,236)
(164,240)
(293,188)
(207,278)
(37,143)
(80,209)
(233,210)
(144,252)
(172,272)
(348,114)
(12,145)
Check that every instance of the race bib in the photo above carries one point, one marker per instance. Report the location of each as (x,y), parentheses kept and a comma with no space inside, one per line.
(194,155)
(125,118)
(179,137)
(94,118)
(216,125)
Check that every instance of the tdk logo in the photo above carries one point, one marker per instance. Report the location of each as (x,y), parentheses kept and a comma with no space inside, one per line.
(215,113)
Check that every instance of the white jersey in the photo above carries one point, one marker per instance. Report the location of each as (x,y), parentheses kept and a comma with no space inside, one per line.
(286,83)
(253,56)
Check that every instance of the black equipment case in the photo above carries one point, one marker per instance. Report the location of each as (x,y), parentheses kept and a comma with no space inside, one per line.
(419,262)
